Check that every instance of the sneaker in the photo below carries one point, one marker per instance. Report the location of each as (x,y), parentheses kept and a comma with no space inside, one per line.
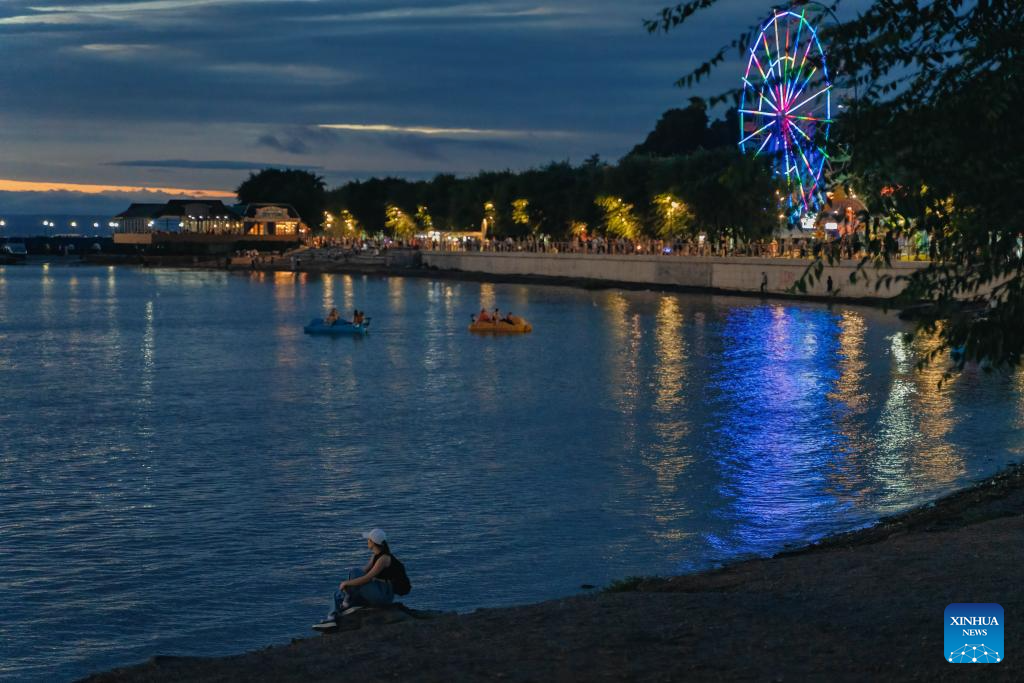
(350,610)
(326,625)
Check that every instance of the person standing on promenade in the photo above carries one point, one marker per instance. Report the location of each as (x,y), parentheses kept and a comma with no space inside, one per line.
(764,282)
(373,585)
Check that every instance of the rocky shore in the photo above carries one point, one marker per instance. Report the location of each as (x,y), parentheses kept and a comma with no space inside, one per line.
(866,605)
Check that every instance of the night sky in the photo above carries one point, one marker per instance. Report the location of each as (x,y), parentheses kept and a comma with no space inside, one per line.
(194,94)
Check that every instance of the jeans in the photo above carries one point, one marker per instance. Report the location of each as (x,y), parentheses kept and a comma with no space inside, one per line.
(373,594)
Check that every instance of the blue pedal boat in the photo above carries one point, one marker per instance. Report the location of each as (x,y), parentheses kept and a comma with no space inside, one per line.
(342,328)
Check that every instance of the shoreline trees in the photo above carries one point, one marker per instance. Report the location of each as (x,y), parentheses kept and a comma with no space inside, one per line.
(684,157)
(932,141)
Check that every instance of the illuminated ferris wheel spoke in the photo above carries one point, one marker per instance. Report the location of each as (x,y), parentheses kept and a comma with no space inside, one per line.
(763,144)
(803,196)
(764,100)
(777,50)
(803,63)
(768,52)
(817,94)
(807,137)
(807,81)
(810,169)
(764,76)
(758,131)
(811,118)
(807,51)
(799,30)
(758,113)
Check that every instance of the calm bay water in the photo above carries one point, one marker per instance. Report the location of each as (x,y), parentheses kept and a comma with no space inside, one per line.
(182,471)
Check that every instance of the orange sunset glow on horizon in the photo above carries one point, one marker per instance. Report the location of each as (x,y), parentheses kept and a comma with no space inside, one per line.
(8,185)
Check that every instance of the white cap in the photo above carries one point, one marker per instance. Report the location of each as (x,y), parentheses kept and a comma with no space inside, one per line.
(376,535)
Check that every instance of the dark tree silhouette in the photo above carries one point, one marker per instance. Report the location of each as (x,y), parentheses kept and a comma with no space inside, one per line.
(678,131)
(303,190)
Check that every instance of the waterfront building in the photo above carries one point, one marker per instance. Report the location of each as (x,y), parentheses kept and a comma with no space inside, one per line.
(207,221)
(269,219)
(137,218)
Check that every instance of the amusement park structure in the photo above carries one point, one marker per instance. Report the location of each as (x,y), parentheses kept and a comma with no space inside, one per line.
(785,108)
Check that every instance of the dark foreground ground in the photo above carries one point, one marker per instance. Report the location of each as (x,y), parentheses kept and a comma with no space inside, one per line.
(861,606)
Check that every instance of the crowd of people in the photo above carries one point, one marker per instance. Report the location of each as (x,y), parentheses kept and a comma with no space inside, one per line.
(849,246)
(794,246)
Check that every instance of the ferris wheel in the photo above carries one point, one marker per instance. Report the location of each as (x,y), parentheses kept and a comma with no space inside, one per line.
(786,108)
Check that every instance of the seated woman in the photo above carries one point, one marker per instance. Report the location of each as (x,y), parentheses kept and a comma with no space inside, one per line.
(332,317)
(369,586)
(483,317)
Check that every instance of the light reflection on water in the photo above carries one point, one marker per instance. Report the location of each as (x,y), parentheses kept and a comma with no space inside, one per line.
(171,444)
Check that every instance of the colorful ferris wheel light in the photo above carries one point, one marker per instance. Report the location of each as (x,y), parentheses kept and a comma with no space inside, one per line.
(786,108)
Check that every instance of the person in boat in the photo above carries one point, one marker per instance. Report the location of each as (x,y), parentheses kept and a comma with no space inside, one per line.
(357,317)
(366,586)
(483,317)
(332,317)
(508,319)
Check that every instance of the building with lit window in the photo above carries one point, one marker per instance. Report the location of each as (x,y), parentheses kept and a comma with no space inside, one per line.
(206,221)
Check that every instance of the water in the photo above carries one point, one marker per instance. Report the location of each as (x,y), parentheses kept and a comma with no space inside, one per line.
(182,471)
(17,226)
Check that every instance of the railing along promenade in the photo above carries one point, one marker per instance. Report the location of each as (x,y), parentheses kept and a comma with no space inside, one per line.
(753,268)
(801,248)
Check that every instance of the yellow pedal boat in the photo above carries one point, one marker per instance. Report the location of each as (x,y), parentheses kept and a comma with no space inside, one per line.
(517,326)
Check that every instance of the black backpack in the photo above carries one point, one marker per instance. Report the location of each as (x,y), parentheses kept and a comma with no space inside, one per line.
(399,579)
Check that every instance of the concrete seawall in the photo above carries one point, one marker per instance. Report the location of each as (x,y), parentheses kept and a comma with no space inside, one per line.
(738,274)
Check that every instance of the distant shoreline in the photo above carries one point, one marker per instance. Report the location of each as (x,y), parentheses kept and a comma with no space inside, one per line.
(882,589)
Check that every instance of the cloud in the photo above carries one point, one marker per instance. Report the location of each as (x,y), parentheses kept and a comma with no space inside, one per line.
(114,12)
(128,52)
(119,48)
(202,164)
(141,6)
(300,140)
(10,185)
(445,132)
(442,149)
(462,11)
(310,73)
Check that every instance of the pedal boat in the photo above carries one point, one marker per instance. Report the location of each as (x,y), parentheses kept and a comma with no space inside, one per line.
(342,328)
(517,326)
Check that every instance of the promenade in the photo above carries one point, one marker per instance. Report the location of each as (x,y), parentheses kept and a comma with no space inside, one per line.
(735,274)
(773,267)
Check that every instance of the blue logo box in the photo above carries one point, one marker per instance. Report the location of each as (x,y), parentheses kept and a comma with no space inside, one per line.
(974,633)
